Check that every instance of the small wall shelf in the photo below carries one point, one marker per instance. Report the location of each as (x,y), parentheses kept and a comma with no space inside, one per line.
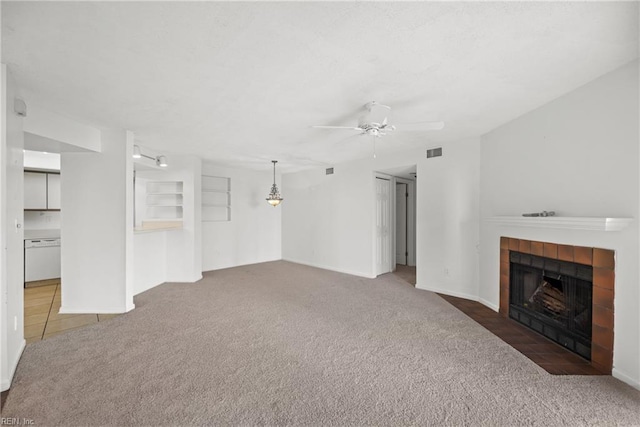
(216,198)
(164,201)
(564,222)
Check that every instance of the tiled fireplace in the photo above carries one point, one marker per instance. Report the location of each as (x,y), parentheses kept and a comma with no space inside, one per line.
(581,266)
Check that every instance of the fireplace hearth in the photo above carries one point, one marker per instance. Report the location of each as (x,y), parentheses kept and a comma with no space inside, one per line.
(553,298)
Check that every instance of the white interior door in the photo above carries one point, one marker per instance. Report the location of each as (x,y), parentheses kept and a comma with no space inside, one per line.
(402,195)
(383,220)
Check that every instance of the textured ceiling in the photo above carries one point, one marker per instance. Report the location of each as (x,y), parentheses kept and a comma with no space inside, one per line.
(240,83)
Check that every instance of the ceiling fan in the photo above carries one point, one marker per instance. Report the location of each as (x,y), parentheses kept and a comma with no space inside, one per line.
(376,129)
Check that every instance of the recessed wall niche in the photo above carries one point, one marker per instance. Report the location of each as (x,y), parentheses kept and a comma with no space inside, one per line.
(216,198)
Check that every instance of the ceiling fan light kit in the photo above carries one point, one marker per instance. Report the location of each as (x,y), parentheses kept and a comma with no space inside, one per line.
(274,198)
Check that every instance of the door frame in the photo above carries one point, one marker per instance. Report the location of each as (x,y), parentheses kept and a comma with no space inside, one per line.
(411,220)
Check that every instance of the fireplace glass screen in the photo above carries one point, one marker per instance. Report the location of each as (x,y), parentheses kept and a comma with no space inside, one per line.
(553,298)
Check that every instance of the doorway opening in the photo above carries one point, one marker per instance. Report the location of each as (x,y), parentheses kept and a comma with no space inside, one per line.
(396,216)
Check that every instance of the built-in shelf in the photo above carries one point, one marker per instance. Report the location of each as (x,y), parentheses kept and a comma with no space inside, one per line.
(164,201)
(216,198)
(564,222)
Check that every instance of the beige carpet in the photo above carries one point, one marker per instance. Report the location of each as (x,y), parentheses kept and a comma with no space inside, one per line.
(280,343)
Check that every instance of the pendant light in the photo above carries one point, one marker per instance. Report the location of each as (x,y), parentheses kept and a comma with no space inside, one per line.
(274,198)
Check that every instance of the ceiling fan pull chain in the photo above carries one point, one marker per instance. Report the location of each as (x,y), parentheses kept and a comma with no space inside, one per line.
(374,147)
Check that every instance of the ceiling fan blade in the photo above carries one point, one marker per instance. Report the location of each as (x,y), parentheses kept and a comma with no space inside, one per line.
(421,126)
(336,127)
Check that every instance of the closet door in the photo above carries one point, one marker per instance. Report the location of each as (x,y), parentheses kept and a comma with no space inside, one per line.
(383,220)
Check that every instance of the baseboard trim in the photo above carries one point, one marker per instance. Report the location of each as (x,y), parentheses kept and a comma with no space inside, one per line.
(448,292)
(146,288)
(492,306)
(224,267)
(193,279)
(326,267)
(5,383)
(95,310)
(625,378)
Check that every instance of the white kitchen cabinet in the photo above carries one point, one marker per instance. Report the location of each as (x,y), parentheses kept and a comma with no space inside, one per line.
(53,191)
(41,191)
(35,190)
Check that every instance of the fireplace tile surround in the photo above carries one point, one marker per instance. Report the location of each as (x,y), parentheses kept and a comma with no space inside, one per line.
(603,263)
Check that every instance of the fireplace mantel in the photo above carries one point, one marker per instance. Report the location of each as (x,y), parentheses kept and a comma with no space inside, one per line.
(564,222)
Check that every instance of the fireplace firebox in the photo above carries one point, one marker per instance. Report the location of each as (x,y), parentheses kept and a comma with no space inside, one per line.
(554,298)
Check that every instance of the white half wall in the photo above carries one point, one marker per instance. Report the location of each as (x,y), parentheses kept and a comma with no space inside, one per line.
(253,234)
(11,233)
(97,227)
(577,155)
(150,260)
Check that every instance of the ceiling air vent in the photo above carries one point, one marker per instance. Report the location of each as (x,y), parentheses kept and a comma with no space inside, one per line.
(329,171)
(434,152)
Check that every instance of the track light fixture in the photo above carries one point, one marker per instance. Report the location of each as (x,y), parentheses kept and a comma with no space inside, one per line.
(160,160)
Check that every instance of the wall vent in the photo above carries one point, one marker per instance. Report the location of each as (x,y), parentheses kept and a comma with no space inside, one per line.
(434,152)
(329,171)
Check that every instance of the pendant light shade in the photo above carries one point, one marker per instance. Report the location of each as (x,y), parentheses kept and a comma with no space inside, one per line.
(274,198)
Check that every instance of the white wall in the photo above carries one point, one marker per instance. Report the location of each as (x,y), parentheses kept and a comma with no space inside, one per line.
(447,220)
(11,233)
(578,156)
(97,227)
(328,220)
(184,249)
(254,233)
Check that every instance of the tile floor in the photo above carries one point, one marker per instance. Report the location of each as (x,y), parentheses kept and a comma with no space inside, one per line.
(41,317)
(550,356)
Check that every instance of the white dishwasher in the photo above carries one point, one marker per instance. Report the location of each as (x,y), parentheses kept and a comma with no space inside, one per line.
(41,259)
